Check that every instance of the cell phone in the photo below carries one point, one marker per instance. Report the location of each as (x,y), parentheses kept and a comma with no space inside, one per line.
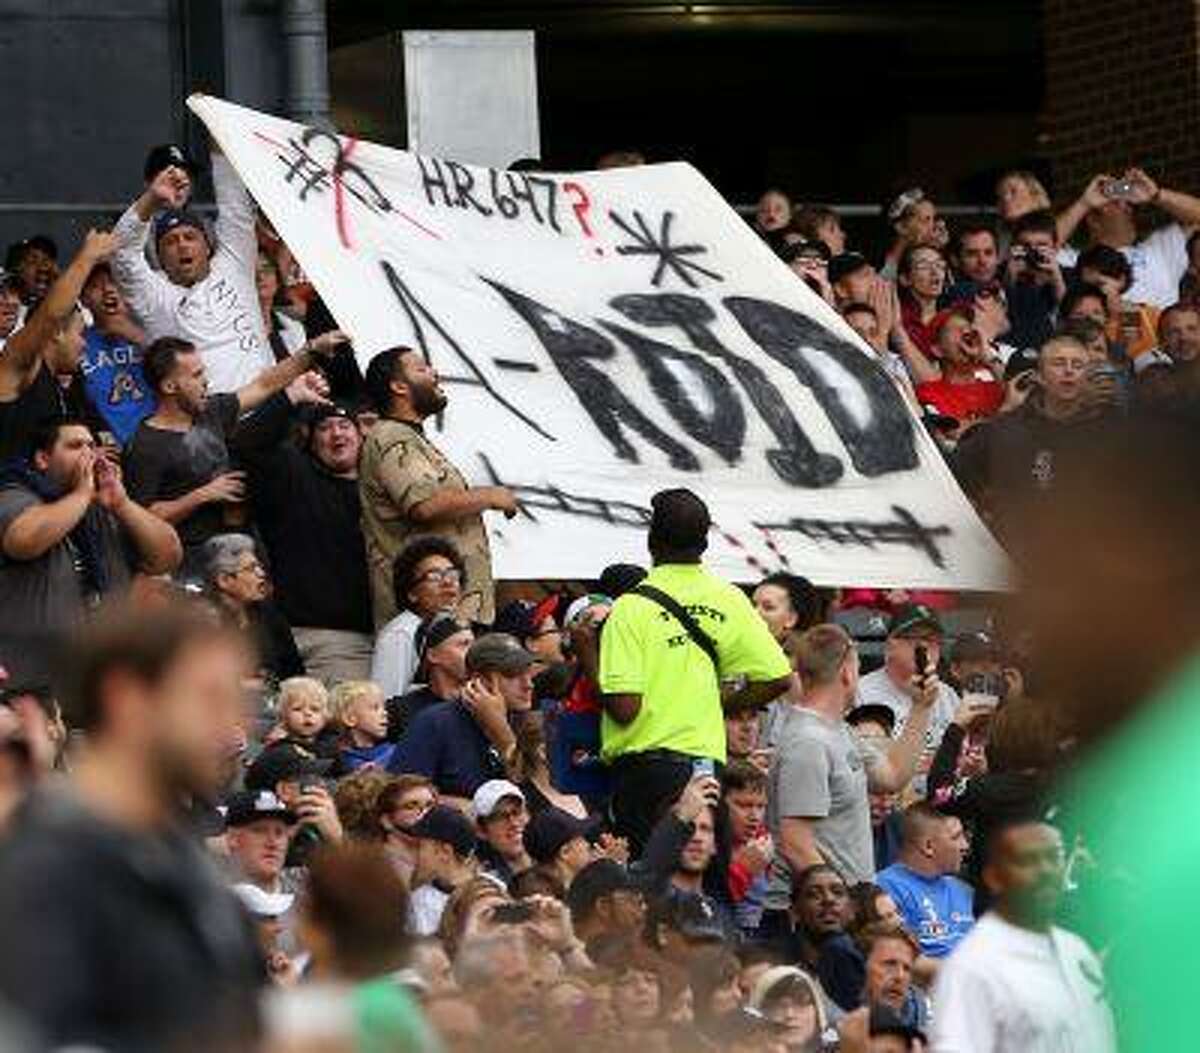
(1118,188)
(1026,380)
(921,659)
(512,913)
(985,689)
(704,766)
(310,782)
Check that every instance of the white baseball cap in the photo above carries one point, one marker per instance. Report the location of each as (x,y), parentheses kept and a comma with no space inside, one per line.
(263,904)
(491,793)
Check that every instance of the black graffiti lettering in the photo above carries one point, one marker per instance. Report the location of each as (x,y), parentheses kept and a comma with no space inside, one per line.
(796,461)
(905,530)
(552,499)
(365,192)
(518,186)
(305,168)
(722,426)
(572,348)
(434,179)
(464,183)
(551,188)
(884,441)
(509,209)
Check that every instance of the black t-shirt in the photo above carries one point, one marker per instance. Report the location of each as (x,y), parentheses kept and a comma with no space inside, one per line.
(162,465)
(42,401)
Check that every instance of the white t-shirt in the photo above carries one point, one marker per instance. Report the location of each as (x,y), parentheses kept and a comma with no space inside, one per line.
(219,314)
(1158,263)
(395,659)
(1005,989)
(425,907)
(877,688)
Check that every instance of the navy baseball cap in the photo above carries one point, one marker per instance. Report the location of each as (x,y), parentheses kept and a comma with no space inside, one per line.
(284,762)
(448,825)
(552,828)
(175,217)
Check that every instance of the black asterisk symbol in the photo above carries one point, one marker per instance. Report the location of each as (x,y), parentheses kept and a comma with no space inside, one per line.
(669,256)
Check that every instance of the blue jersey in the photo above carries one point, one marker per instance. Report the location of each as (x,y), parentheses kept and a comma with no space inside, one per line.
(937,911)
(115,384)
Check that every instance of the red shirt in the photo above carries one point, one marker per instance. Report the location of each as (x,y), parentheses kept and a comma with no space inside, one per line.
(972,401)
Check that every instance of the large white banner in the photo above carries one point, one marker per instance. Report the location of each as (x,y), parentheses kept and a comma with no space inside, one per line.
(602,335)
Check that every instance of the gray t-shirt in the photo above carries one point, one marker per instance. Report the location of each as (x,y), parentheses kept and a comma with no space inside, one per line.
(819,772)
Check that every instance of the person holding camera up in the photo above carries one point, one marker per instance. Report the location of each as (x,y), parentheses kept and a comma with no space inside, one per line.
(1107,210)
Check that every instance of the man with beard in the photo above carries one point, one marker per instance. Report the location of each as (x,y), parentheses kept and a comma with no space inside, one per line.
(409,488)
(118,933)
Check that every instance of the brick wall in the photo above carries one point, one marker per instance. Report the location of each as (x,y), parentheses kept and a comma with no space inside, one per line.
(1123,88)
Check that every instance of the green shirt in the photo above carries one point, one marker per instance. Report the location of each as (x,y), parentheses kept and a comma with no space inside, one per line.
(1137,808)
(645,651)
(389,1020)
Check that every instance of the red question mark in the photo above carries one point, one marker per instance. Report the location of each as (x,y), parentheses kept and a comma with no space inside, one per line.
(581,205)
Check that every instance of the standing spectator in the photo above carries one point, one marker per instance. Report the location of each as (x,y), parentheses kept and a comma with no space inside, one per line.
(306,506)
(443,643)
(70,536)
(876,726)
(820,776)
(1018,193)
(427,578)
(1106,209)
(661,669)
(462,744)
(913,220)
(284,333)
(205,294)
(48,345)
(924,883)
(501,817)
(969,389)
(178,461)
(922,275)
(788,603)
(534,764)
(1034,282)
(113,380)
(410,489)
(163,958)
(1017,982)
(1133,325)
(743,862)
(238,583)
(911,626)
(34,263)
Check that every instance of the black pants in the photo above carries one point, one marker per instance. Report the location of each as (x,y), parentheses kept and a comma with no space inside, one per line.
(644,786)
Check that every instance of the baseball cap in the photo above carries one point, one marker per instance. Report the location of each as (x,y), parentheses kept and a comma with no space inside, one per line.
(690,914)
(448,825)
(962,309)
(175,217)
(284,762)
(600,878)
(167,155)
(845,264)
(552,828)
(913,616)
(436,630)
(500,653)
(491,793)
(260,904)
(975,647)
(249,806)
(582,605)
(319,411)
(679,520)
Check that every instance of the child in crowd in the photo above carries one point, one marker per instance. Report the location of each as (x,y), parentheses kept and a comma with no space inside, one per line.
(304,716)
(362,715)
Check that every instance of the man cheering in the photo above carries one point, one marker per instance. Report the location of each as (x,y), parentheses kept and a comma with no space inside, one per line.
(409,488)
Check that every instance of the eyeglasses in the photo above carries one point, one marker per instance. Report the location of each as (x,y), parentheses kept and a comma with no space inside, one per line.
(929,267)
(442,576)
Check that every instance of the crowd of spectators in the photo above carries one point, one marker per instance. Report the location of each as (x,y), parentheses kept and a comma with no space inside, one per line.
(282,768)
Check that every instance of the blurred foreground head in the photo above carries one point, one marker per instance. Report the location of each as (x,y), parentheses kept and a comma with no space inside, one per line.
(1111,575)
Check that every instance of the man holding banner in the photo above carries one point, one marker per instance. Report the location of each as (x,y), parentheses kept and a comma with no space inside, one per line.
(410,488)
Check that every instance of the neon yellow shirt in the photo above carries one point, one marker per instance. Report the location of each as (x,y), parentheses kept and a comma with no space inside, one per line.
(645,651)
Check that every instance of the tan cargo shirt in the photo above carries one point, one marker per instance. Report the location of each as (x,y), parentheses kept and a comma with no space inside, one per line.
(398,469)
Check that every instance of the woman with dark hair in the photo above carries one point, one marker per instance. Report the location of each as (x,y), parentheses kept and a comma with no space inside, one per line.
(922,274)
(787,603)
(428,577)
(534,775)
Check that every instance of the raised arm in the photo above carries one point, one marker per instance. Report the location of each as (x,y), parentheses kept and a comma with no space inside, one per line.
(141,286)
(279,376)
(39,528)
(23,351)
(1181,207)
(896,768)
(1068,219)
(235,212)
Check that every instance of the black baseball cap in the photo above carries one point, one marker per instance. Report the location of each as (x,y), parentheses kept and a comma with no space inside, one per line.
(436,630)
(976,647)
(448,825)
(169,155)
(552,828)
(690,914)
(249,806)
(284,762)
(846,263)
(914,616)
(600,878)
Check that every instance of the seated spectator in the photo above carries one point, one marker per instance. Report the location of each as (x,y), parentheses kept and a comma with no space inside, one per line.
(1106,209)
(863,318)
(294,775)
(913,220)
(267,912)
(1033,279)
(809,261)
(1018,193)
(852,278)
(870,905)
(48,346)
(912,626)
(605,901)
(257,831)
(204,295)
(463,743)
(284,334)
(445,862)
(70,536)
(713,979)
(1179,333)
(428,959)
(745,860)
(427,578)
(1133,325)
(891,957)
(921,275)
(969,389)
(536,627)
(975,254)
(237,581)
(501,817)
(305,716)
(356,797)
(442,645)
(178,460)
(683,842)
(791,999)
(772,216)
(681,925)
(305,504)
(534,769)
(974,654)
(557,843)
(819,941)
(358,705)
(34,263)
(400,804)
(820,223)
(936,906)
(113,381)
(876,725)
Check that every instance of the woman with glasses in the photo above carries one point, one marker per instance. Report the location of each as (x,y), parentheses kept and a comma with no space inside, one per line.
(400,804)
(922,278)
(428,578)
